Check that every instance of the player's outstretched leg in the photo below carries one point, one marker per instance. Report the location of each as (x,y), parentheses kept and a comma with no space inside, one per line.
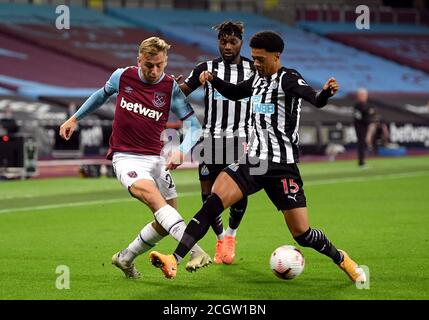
(217,224)
(317,240)
(235,216)
(172,221)
(196,229)
(297,221)
(217,227)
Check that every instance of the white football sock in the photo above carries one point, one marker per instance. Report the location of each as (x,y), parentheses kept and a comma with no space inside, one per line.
(172,221)
(146,239)
(231,232)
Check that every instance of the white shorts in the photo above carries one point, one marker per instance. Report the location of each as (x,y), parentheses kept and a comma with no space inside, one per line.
(130,168)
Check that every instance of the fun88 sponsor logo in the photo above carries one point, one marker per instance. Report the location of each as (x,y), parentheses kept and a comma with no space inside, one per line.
(258,107)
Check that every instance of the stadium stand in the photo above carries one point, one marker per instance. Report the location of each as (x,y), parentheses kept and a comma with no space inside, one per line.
(95,50)
(105,48)
(403,43)
(313,55)
(63,67)
(24,65)
(345,12)
(13,13)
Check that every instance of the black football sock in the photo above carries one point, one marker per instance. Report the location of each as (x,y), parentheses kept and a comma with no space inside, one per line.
(199,225)
(236,213)
(317,240)
(217,225)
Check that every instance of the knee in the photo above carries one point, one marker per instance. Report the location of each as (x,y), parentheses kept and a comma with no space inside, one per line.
(139,191)
(213,207)
(143,194)
(228,199)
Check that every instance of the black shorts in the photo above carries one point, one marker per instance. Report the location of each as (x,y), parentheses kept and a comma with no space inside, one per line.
(207,172)
(214,155)
(281,182)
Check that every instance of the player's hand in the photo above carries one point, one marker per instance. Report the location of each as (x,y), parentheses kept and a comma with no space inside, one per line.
(175,159)
(331,85)
(68,127)
(178,78)
(205,76)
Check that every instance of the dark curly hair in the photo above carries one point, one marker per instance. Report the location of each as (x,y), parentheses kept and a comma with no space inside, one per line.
(269,40)
(230,28)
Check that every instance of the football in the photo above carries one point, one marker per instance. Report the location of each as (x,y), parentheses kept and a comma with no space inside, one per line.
(287,262)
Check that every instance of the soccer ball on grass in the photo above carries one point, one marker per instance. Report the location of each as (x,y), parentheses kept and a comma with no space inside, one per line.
(287,262)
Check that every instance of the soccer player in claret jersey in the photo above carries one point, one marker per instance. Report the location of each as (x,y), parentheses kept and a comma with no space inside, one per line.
(225,129)
(276,94)
(146,95)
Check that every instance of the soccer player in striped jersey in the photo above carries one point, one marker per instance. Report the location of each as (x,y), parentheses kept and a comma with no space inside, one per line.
(276,94)
(226,128)
(146,95)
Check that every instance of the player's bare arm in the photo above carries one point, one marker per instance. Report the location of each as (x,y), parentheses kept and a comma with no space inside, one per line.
(95,101)
(68,127)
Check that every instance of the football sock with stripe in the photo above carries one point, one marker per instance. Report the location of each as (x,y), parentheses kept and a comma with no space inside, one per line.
(317,240)
(199,225)
(145,240)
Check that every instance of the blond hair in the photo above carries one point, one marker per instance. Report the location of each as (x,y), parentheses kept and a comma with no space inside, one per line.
(152,46)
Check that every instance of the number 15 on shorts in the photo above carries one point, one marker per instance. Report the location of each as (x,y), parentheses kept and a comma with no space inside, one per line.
(289,186)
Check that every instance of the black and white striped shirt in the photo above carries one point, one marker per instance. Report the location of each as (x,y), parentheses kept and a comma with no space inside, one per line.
(224,118)
(276,106)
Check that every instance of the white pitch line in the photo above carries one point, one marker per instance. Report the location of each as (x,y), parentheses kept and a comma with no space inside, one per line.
(187,194)
(368,178)
(82,203)
(64,205)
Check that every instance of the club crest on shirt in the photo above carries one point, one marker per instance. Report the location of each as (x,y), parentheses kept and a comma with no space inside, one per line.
(128,89)
(132,174)
(204,171)
(159,99)
(274,85)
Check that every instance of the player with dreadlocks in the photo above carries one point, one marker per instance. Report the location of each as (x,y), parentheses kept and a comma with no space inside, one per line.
(225,129)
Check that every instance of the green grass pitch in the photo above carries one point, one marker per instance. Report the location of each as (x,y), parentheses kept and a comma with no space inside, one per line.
(379,215)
